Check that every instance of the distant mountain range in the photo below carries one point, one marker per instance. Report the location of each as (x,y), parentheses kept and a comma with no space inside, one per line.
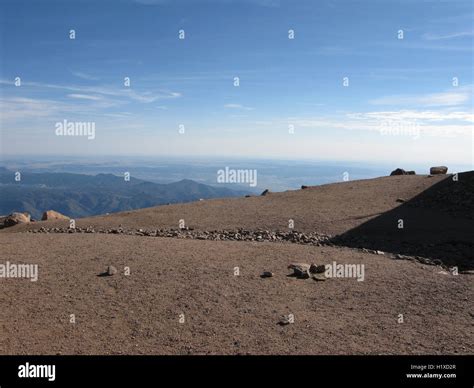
(78,195)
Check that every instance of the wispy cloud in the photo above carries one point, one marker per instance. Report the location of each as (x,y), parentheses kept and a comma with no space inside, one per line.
(85,76)
(454,35)
(237,106)
(112,91)
(428,122)
(449,98)
(415,115)
(85,97)
(262,3)
(20,108)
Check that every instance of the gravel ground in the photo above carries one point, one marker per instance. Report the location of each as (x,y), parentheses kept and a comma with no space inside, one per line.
(223,313)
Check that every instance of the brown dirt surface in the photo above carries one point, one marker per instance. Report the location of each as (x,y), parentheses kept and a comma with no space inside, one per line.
(228,314)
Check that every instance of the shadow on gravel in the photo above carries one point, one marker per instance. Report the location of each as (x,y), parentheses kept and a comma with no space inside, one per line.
(437,224)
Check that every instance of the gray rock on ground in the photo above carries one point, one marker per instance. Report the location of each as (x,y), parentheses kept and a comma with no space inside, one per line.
(111,270)
(319,276)
(300,270)
(285,320)
(315,268)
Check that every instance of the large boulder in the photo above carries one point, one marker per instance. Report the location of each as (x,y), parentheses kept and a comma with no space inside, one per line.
(53,215)
(398,171)
(438,170)
(17,218)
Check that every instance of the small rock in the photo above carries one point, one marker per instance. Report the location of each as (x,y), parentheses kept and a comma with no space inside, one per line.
(266,274)
(265,192)
(319,276)
(379,252)
(401,257)
(285,320)
(111,270)
(314,268)
(304,187)
(300,270)
(401,200)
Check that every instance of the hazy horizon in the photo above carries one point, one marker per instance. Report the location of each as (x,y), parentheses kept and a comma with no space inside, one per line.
(274,174)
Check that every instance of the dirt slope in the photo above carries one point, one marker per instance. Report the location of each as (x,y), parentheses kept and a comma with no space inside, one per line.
(228,314)
(332,209)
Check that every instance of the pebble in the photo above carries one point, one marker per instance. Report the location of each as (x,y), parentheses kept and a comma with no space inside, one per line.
(111,270)
(285,320)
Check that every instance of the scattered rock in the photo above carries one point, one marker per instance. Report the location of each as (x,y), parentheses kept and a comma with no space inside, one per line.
(111,270)
(319,276)
(304,187)
(314,268)
(265,192)
(292,236)
(401,257)
(438,170)
(300,270)
(16,218)
(401,171)
(266,274)
(248,196)
(379,252)
(53,215)
(285,320)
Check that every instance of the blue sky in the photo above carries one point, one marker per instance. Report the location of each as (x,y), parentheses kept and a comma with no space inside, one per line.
(401,103)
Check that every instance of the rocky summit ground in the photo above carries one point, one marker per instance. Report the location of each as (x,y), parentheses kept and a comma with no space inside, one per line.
(198,290)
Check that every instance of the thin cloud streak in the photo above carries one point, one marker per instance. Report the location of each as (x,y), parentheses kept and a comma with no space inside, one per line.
(429,36)
(129,93)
